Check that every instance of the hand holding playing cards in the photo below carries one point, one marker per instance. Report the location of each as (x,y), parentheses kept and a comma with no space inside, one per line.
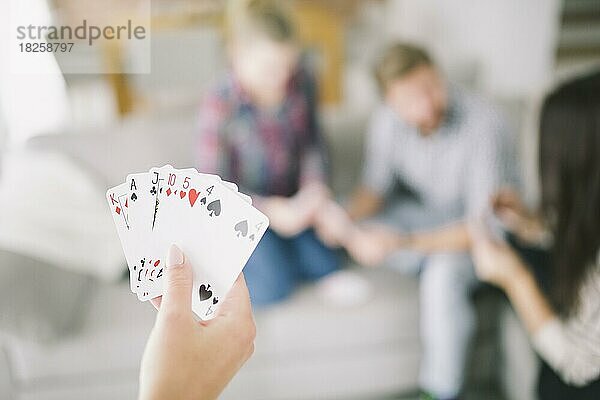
(187,359)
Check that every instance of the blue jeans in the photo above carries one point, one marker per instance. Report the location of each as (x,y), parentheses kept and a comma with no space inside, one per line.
(279,264)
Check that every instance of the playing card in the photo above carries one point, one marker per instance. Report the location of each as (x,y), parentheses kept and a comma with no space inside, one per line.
(119,206)
(154,189)
(144,189)
(214,224)
(217,230)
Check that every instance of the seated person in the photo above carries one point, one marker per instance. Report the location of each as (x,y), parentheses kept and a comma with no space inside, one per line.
(258,128)
(564,319)
(448,151)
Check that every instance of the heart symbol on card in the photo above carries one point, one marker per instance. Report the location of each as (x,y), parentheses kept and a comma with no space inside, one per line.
(193,196)
(205,292)
(214,208)
(241,228)
(182,194)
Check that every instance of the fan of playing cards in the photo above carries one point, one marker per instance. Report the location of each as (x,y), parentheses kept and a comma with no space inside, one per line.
(216,227)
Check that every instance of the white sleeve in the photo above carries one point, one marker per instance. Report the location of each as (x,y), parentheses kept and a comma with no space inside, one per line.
(569,353)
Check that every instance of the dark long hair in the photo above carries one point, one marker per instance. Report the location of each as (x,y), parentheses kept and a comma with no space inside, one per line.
(570,182)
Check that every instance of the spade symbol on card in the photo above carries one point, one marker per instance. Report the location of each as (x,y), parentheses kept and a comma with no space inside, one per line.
(215,300)
(133,197)
(203,201)
(205,292)
(252,237)
(241,228)
(214,208)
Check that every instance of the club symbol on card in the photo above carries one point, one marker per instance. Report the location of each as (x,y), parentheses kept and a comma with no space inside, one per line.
(214,208)
(241,228)
(182,194)
(203,201)
(169,191)
(205,292)
(153,190)
(133,197)
(215,300)
(192,197)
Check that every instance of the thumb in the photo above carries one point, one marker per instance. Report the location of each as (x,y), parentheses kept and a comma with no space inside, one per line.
(179,280)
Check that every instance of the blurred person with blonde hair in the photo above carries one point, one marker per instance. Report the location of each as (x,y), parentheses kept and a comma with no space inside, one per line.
(259,128)
(435,153)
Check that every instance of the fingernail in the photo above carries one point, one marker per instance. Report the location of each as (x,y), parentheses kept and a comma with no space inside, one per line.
(175,256)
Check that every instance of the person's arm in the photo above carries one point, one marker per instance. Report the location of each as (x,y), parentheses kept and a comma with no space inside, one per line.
(370,245)
(364,203)
(573,353)
(187,359)
(454,237)
(570,352)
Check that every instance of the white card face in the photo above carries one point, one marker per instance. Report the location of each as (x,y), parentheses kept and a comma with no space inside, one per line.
(215,226)
(218,231)
(143,194)
(119,206)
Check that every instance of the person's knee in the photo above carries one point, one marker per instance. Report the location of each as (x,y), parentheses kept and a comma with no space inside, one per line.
(264,297)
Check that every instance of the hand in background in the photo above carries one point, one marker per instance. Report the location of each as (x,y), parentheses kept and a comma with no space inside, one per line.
(187,359)
(332,224)
(509,208)
(290,216)
(371,245)
(495,262)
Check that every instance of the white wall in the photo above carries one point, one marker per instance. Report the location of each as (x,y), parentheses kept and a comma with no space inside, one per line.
(31,103)
(509,44)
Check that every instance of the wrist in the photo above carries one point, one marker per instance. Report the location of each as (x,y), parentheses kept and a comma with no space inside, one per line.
(519,279)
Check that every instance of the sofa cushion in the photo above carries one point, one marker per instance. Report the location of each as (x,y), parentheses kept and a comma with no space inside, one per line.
(300,330)
(39,302)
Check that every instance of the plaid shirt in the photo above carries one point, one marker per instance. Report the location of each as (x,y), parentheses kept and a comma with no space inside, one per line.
(265,152)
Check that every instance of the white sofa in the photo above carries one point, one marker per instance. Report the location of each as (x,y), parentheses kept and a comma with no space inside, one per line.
(305,349)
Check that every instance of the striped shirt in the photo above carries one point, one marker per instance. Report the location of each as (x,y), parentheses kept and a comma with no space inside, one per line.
(572,346)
